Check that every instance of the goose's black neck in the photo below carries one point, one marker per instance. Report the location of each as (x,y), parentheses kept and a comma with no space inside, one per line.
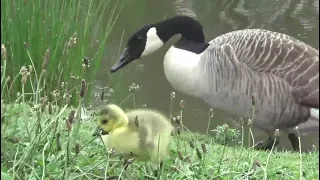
(190,29)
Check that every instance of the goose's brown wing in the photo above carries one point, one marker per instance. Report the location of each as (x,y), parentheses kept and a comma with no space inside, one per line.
(281,55)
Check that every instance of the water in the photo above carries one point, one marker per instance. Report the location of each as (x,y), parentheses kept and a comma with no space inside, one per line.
(298,18)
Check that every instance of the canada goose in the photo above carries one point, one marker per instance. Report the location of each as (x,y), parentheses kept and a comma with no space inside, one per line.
(140,133)
(280,71)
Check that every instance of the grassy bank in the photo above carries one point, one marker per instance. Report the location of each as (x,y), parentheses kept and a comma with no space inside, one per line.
(52,143)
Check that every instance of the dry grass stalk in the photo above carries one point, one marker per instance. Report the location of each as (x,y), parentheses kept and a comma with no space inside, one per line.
(199,153)
(191,144)
(72,41)
(50,109)
(46,59)
(71,116)
(4,52)
(204,148)
(43,104)
(86,63)
(24,73)
(58,142)
(180,155)
(77,148)
(83,88)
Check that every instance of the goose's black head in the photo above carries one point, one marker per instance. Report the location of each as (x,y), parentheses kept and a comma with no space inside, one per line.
(151,37)
(143,42)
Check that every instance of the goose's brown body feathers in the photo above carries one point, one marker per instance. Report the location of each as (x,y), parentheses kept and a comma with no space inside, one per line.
(280,71)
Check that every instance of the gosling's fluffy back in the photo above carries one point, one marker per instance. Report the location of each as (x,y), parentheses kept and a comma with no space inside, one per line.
(156,121)
(154,131)
(151,123)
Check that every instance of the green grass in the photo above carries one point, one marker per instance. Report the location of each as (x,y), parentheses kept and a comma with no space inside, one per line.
(51,39)
(36,144)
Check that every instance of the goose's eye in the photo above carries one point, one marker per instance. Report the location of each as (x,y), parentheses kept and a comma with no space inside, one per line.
(104,121)
(140,38)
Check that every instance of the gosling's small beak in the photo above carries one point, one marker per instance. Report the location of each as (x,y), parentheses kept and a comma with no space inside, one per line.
(104,132)
(124,60)
(100,131)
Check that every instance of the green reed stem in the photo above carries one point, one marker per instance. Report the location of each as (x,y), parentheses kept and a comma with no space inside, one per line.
(208,125)
(4,71)
(266,168)
(23,99)
(35,72)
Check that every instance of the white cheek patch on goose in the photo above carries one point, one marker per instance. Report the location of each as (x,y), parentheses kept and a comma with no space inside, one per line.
(153,42)
(314,113)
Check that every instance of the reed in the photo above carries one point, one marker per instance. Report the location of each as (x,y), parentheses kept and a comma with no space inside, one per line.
(53,37)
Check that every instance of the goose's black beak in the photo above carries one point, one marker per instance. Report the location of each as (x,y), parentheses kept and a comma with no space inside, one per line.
(125,58)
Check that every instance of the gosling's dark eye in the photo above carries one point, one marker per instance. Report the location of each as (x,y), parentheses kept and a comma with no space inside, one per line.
(104,121)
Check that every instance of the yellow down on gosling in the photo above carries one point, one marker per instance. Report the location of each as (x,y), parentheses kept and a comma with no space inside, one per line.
(141,133)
